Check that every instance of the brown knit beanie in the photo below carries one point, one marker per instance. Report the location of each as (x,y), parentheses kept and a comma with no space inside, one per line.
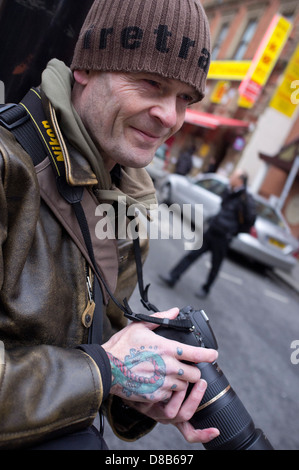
(167,37)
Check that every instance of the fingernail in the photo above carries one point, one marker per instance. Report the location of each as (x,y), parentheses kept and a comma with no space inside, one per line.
(214,433)
(202,385)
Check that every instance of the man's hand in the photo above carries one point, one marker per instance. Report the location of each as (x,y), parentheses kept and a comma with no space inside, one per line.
(149,372)
(178,412)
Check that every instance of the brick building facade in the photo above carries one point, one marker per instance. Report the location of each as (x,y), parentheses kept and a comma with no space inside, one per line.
(267,127)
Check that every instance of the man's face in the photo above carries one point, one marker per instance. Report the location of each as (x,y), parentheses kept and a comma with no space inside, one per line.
(129,115)
(236,179)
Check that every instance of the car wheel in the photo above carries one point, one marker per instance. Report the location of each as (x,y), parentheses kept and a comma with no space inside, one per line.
(165,194)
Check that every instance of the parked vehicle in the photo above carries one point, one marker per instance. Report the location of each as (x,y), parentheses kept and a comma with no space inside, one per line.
(156,168)
(269,242)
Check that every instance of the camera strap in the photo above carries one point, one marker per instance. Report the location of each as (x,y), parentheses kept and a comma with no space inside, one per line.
(24,121)
(184,325)
(181,325)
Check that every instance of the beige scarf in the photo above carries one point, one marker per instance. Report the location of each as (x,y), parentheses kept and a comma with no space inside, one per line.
(136,185)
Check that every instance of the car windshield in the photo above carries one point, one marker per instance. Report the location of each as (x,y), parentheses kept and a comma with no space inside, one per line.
(267,212)
(263,210)
(213,185)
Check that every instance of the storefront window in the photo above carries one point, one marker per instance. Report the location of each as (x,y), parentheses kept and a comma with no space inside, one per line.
(218,43)
(245,40)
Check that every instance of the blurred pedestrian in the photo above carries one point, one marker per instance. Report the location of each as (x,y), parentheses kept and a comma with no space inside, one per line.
(237,214)
(184,163)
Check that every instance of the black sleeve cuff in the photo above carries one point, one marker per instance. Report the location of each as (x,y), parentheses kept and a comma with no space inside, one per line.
(100,357)
(127,423)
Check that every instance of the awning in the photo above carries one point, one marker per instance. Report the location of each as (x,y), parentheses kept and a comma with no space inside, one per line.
(212,121)
(285,158)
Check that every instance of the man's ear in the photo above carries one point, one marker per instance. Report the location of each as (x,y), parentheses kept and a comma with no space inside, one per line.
(81,76)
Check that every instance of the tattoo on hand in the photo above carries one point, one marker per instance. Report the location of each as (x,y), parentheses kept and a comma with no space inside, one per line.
(180,372)
(179,351)
(133,383)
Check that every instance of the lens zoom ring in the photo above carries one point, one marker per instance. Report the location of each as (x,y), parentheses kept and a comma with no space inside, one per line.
(231,420)
(215,388)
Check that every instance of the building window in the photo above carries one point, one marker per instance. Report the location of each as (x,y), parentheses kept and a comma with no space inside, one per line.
(289,15)
(245,40)
(218,43)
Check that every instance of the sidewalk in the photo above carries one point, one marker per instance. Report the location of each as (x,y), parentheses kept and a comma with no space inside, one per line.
(292,279)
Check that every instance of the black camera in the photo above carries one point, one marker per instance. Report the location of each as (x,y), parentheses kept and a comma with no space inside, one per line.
(220,408)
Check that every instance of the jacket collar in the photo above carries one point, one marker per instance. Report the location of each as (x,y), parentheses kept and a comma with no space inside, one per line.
(77,169)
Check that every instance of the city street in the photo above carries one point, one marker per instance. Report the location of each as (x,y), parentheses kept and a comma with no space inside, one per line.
(197,103)
(255,319)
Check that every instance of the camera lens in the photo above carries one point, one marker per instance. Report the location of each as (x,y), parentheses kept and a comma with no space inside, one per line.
(221,408)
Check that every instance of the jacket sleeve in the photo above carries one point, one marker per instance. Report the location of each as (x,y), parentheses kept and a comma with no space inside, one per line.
(127,424)
(46,391)
(48,387)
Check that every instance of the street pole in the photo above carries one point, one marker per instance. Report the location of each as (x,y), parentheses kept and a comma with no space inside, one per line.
(288,183)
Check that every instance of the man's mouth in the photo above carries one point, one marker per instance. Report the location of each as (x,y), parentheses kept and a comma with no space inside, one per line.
(147,136)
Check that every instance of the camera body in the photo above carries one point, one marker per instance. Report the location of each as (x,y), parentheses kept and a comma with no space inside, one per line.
(201,333)
(220,408)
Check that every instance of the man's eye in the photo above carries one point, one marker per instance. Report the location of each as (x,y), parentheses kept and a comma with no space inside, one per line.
(153,83)
(187,98)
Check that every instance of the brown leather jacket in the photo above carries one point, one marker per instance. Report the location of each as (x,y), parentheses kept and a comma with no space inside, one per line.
(47,384)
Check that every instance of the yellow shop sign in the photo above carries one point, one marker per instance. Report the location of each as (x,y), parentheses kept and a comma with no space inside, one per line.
(264,60)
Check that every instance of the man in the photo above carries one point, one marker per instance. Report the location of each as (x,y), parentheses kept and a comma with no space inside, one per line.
(236,211)
(136,67)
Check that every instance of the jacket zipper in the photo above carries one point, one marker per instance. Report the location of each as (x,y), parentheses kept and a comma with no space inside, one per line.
(90,307)
(88,283)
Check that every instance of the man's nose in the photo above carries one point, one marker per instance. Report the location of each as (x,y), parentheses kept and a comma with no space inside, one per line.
(166,112)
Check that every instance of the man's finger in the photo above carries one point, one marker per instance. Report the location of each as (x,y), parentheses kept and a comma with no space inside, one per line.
(197,435)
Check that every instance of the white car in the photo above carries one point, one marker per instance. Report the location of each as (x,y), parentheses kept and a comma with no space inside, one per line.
(269,242)
(156,167)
